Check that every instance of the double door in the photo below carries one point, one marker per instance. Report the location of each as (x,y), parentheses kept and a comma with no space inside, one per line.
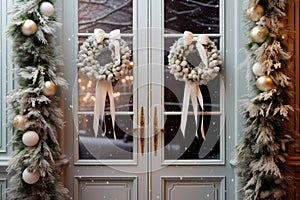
(151,158)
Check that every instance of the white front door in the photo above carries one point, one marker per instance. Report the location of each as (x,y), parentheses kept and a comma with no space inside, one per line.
(150,159)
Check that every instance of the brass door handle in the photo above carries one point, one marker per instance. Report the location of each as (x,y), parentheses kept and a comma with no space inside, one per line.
(141,130)
(156,132)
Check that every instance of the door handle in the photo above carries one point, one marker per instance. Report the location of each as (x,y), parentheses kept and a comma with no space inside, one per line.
(141,130)
(156,132)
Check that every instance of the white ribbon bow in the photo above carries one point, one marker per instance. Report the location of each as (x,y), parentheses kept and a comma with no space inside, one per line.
(104,87)
(192,90)
(114,36)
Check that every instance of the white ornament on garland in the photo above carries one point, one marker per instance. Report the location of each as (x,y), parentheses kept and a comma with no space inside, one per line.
(30,138)
(257,69)
(29,27)
(259,34)
(20,122)
(90,50)
(194,76)
(30,177)
(49,88)
(46,8)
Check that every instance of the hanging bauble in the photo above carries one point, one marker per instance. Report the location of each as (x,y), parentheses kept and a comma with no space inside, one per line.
(256,12)
(47,8)
(257,69)
(264,83)
(29,27)
(30,138)
(20,122)
(259,34)
(49,88)
(30,177)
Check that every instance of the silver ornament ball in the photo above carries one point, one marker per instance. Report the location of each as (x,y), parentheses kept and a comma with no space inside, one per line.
(259,34)
(47,8)
(29,27)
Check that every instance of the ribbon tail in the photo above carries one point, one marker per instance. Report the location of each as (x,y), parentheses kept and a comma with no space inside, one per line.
(99,105)
(200,99)
(112,107)
(195,105)
(185,107)
(202,54)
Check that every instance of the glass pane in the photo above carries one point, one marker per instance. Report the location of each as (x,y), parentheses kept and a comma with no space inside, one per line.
(123,90)
(197,16)
(105,14)
(191,147)
(174,90)
(105,147)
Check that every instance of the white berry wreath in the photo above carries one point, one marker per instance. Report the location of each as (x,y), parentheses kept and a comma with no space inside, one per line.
(183,70)
(193,76)
(98,43)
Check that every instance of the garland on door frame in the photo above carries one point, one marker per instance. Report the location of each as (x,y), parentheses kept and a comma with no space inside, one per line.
(35,167)
(261,155)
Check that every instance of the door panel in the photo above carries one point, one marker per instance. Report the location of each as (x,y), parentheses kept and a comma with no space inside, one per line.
(107,188)
(193,188)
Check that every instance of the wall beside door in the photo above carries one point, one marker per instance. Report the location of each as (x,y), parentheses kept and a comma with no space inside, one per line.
(294,40)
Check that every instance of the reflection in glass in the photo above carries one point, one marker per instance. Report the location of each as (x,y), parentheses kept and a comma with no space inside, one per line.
(104,146)
(198,16)
(191,147)
(105,14)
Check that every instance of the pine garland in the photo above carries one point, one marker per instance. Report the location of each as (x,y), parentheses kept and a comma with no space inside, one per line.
(38,61)
(261,155)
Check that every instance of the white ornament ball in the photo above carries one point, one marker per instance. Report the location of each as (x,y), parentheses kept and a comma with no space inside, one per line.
(49,89)
(30,138)
(265,83)
(29,177)
(259,34)
(257,69)
(256,12)
(20,122)
(29,27)
(47,8)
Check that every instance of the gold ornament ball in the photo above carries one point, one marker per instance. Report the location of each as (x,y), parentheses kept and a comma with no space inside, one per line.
(257,69)
(30,138)
(259,34)
(30,177)
(49,89)
(29,27)
(264,83)
(46,8)
(20,122)
(255,13)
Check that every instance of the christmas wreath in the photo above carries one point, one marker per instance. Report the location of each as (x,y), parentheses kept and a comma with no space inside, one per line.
(94,46)
(183,70)
(194,76)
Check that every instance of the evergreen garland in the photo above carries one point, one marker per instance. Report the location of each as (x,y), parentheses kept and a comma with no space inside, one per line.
(37,60)
(262,154)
